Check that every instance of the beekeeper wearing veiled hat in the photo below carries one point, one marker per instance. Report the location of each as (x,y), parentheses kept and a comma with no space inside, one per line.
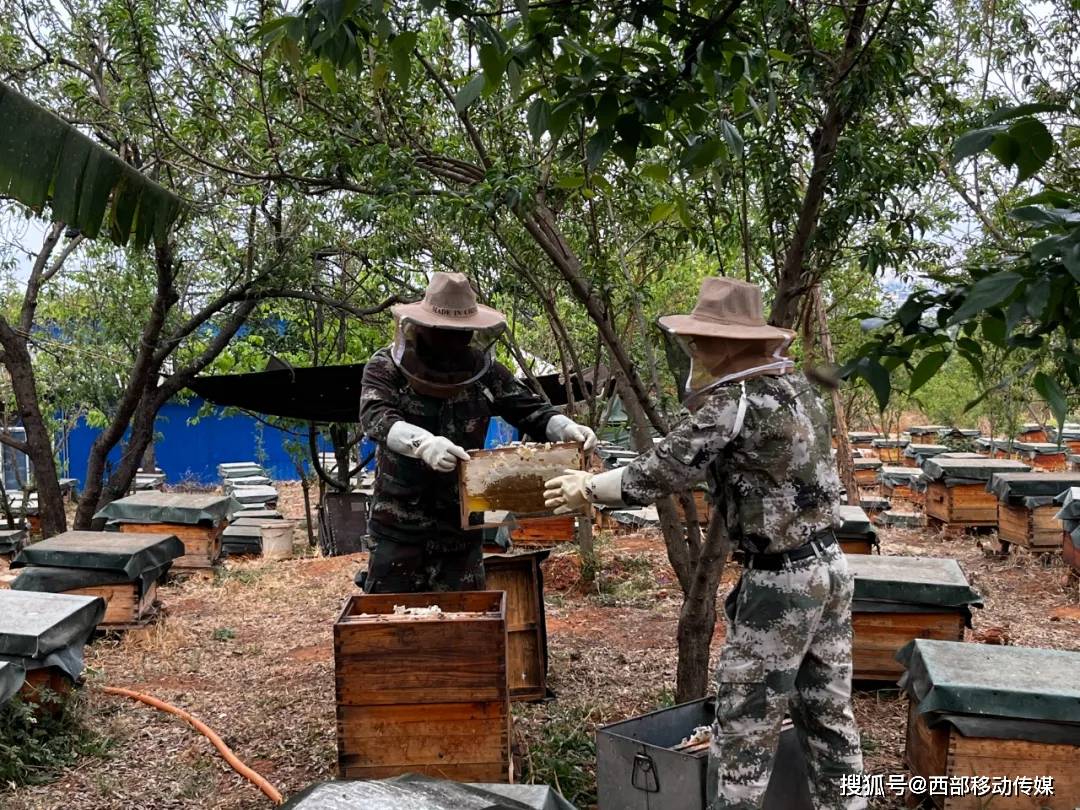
(759,434)
(426,401)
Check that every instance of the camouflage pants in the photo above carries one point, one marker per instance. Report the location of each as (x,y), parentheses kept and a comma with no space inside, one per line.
(788,651)
(417,568)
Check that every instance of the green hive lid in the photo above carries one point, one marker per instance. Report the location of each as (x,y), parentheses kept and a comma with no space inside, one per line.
(924,430)
(968,433)
(1040,448)
(899,476)
(34,624)
(1070,504)
(1013,486)
(933,581)
(1023,683)
(12,539)
(970,469)
(924,450)
(12,676)
(131,554)
(891,442)
(853,522)
(171,507)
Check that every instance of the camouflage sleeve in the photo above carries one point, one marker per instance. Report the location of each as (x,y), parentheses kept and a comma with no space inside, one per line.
(518,405)
(379,396)
(682,458)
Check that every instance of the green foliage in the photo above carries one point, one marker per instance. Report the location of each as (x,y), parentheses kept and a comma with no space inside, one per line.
(43,158)
(1026,304)
(43,736)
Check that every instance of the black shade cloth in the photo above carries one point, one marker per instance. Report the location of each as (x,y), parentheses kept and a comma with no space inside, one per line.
(33,625)
(12,677)
(50,579)
(1013,487)
(978,470)
(126,555)
(319,394)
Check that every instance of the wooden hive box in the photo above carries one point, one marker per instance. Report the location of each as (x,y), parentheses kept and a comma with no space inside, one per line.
(898,599)
(701,504)
(511,479)
(957,494)
(854,532)
(423,695)
(997,714)
(1043,455)
(519,576)
(197,519)
(1027,513)
(866,471)
(1070,549)
(121,568)
(545,531)
(903,486)
(924,434)
(890,451)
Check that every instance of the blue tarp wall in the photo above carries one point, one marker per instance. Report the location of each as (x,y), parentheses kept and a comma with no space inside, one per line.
(191,452)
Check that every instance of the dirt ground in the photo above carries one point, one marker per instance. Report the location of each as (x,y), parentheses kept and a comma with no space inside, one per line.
(248,650)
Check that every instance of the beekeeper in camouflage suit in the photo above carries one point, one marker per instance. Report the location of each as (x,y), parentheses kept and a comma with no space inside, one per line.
(426,401)
(759,434)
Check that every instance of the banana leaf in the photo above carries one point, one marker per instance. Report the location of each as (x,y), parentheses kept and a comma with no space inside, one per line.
(43,159)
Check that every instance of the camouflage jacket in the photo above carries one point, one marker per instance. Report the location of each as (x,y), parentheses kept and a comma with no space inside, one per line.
(774,483)
(413,503)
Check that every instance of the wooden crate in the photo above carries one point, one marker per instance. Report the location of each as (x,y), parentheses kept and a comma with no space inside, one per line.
(1036,528)
(961,506)
(1051,462)
(423,695)
(122,603)
(202,541)
(878,636)
(512,479)
(520,578)
(866,477)
(943,751)
(855,545)
(701,504)
(546,531)
(900,495)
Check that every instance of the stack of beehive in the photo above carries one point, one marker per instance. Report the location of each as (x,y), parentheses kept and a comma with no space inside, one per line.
(248,483)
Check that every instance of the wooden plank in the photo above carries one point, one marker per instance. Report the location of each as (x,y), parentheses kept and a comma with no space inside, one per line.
(519,578)
(512,478)
(878,636)
(985,757)
(544,531)
(202,542)
(481,772)
(926,750)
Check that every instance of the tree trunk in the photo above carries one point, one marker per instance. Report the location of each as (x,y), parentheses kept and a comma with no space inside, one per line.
(844,459)
(697,619)
(39,447)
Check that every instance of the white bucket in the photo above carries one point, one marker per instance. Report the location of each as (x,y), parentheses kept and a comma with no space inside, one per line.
(277,539)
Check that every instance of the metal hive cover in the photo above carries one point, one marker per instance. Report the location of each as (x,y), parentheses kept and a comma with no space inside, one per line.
(1023,683)
(258,514)
(171,507)
(891,442)
(256,494)
(243,532)
(1070,504)
(1040,448)
(970,469)
(12,676)
(934,581)
(899,476)
(924,430)
(1013,486)
(12,539)
(867,463)
(34,624)
(131,554)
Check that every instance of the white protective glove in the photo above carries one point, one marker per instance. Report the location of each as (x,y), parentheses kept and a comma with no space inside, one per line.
(438,452)
(564,429)
(575,489)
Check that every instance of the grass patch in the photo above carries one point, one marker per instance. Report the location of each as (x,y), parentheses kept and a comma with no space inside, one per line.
(43,736)
(626,581)
(223,575)
(565,756)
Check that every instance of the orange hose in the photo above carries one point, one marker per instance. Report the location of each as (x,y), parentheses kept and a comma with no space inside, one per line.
(256,779)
